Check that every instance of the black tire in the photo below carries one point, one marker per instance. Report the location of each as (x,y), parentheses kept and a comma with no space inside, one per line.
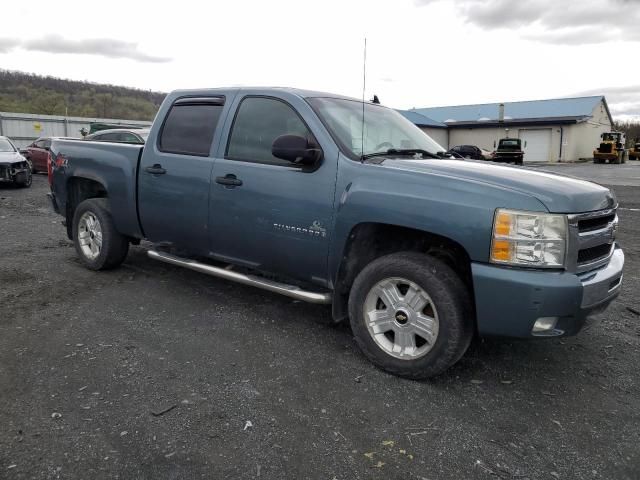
(114,245)
(25,180)
(451,300)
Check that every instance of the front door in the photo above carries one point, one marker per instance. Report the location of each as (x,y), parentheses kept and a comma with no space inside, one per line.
(174,176)
(268,213)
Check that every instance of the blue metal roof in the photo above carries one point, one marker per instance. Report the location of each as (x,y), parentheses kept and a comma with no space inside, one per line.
(421,120)
(536,109)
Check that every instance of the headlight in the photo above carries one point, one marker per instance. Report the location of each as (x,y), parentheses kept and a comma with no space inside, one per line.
(529,239)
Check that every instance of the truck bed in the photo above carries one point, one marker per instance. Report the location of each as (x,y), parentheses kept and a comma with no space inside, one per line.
(112,165)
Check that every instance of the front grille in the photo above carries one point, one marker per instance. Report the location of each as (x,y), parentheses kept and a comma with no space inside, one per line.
(596,223)
(592,239)
(605,147)
(592,254)
(4,173)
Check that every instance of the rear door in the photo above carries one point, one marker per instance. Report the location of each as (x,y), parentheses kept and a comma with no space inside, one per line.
(174,174)
(275,216)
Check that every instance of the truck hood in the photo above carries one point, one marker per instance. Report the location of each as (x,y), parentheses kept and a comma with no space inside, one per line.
(10,157)
(560,194)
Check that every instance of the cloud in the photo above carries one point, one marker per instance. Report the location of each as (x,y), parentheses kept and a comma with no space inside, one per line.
(622,101)
(7,44)
(105,47)
(553,21)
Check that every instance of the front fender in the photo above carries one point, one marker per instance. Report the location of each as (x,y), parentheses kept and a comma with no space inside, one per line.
(460,210)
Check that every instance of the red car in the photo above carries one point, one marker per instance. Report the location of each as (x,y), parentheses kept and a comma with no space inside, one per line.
(38,152)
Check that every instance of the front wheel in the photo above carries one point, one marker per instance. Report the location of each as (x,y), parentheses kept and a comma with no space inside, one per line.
(98,243)
(24,179)
(411,314)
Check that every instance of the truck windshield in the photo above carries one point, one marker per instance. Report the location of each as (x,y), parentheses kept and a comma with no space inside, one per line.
(384,128)
(5,145)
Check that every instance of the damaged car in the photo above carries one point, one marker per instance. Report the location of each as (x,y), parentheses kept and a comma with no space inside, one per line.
(14,167)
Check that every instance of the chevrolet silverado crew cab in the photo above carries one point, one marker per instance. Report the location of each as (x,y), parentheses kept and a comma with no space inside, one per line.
(299,193)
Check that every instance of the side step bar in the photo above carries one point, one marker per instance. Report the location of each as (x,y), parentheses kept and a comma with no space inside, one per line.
(255,281)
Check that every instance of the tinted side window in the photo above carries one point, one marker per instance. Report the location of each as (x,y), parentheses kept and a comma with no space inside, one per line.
(107,137)
(129,138)
(189,128)
(258,123)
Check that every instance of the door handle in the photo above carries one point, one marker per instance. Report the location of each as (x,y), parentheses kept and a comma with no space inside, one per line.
(156,169)
(229,180)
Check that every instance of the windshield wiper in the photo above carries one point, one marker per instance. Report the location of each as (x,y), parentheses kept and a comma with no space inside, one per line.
(401,151)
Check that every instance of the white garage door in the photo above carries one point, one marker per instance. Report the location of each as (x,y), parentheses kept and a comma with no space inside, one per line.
(537,146)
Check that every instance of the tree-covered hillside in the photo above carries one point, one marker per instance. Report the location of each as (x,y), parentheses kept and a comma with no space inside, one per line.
(29,93)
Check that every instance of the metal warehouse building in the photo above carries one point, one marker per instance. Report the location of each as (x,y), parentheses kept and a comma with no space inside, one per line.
(559,130)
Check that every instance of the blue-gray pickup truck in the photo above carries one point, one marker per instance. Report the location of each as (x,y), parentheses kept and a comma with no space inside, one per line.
(331,200)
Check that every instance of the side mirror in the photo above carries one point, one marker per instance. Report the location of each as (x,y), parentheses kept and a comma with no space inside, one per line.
(296,149)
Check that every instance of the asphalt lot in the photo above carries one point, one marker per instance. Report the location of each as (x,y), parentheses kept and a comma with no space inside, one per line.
(254,385)
(627,174)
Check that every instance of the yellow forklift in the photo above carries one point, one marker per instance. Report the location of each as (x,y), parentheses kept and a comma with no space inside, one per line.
(611,149)
(634,151)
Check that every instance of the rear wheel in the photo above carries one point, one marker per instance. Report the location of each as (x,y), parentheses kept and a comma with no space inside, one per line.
(98,243)
(411,314)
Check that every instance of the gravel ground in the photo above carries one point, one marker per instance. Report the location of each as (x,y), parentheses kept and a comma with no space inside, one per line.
(156,372)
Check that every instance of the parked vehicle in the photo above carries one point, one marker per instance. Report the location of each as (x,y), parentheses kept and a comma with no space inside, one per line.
(509,150)
(279,189)
(634,151)
(137,137)
(611,149)
(14,167)
(38,153)
(471,152)
(95,127)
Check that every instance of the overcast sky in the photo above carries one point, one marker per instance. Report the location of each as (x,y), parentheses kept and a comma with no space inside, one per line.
(421,53)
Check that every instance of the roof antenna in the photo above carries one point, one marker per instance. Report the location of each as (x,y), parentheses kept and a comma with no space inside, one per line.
(364,84)
(375,99)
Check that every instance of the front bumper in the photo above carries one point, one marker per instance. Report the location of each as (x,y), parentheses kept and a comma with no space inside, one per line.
(12,172)
(510,300)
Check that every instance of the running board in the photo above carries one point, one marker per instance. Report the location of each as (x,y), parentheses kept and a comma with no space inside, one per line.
(255,281)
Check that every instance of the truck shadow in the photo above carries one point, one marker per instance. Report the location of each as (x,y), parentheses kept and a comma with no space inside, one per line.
(501,360)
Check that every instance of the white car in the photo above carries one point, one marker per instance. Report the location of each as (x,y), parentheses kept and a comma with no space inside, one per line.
(14,167)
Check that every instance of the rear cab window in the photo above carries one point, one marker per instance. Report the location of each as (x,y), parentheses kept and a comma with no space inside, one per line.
(189,126)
